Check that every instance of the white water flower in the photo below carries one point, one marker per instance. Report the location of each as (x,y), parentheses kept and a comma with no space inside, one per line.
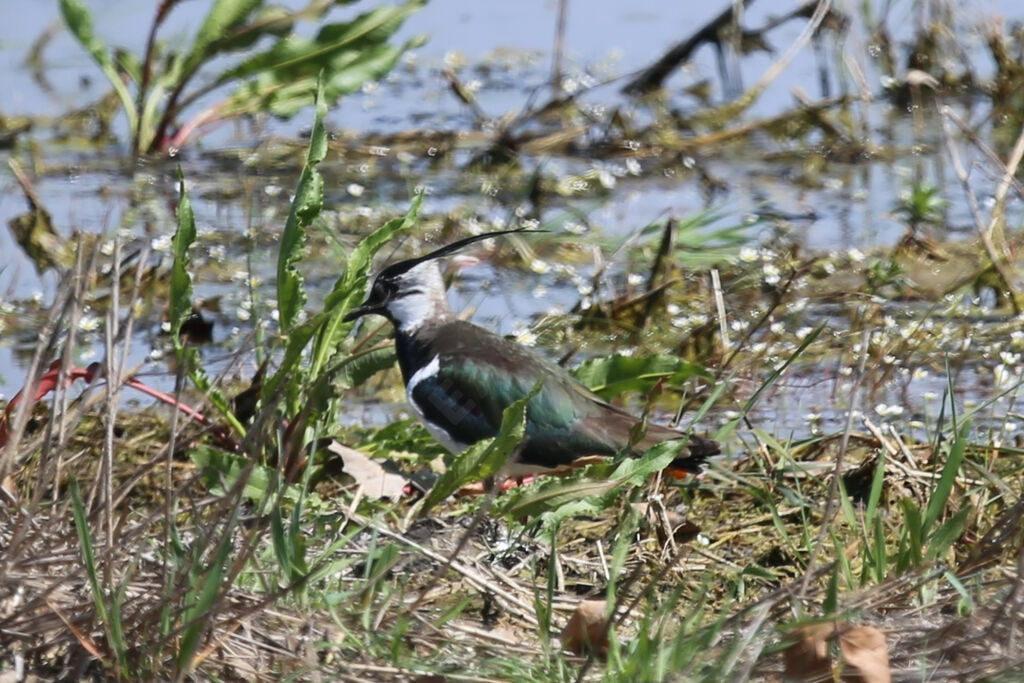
(884,410)
(161,243)
(89,322)
(525,336)
(748,255)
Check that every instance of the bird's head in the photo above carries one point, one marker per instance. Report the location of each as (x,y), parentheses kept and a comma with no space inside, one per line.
(411,292)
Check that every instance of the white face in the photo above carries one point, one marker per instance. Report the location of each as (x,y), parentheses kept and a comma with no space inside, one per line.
(421,297)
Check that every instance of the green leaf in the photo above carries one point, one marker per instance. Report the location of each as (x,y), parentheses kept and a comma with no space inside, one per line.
(289,547)
(485,458)
(202,597)
(555,493)
(654,459)
(220,21)
(79,21)
(298,338)
(220,472)
(912,540)
(280,80)
(181,306)
(181,281)
(940,496)
(350,287)
(108,617)
(615,375)
(295,55)
(357,368)
(947,534)
(309,199)
(877,483)
(590,491)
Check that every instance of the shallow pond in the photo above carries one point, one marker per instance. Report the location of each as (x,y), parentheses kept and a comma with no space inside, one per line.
(789,194)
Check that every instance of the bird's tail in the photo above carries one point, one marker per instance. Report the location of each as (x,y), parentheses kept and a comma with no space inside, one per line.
(699,450)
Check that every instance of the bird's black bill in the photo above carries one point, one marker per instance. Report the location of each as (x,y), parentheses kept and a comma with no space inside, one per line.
(360,311)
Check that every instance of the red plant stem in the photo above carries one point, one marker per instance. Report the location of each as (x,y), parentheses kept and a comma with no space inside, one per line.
(175,143)
(48,382)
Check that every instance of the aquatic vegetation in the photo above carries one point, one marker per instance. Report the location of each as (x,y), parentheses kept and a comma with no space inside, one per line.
(270,68)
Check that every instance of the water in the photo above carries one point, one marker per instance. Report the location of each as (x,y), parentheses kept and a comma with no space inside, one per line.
(504,50)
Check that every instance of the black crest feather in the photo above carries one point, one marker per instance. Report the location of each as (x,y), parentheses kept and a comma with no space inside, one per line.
(396,269)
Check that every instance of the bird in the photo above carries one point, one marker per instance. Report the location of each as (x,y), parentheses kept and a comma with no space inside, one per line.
(460,376)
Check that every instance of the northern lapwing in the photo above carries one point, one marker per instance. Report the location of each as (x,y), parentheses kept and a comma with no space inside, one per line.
(459,377)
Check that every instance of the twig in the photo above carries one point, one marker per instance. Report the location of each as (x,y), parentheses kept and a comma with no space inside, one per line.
(513,604)
(776,69)
(723,324)
(653,76)
(556,60)
(984,230)
(1008,177)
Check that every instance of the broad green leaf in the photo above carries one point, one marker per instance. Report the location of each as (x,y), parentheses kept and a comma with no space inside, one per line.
(309,198)
(283,94)
(181,281)
(554,493)
(181,306)
(298,338)
(350,287)
(223,16)
(357,368)
(615,375)
(221,471)
(79,21)
(592,490)
(403,436)
(297,55)
(485,458)
(654,459)
(267,21)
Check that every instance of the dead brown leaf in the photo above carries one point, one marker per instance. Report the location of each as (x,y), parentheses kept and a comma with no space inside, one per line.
(376,481)
(865,655)
(807,659)
(587,628)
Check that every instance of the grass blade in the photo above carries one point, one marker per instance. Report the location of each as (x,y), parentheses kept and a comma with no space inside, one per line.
(115,631)
(939,497)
